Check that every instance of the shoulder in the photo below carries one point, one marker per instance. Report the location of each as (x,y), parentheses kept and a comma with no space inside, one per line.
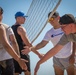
(5,25)
(49,31)
(21,30)
(2,29)
(7,28)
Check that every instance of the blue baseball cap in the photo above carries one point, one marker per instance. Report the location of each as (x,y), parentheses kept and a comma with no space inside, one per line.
(20,14)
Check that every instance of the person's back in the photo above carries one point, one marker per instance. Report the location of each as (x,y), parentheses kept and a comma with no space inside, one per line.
(19,41)
(3,53)
(5,58)
(18,37)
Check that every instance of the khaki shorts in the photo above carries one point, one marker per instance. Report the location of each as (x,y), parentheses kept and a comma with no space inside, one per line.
(62,63)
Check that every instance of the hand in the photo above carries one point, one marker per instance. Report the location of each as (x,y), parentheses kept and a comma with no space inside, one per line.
(36,68)
(22,63)
(41,55)
(26,50)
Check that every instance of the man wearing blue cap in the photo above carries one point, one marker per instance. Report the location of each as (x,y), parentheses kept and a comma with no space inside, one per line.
(22,40)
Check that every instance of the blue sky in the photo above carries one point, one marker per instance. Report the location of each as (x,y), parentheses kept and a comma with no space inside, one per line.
(12,6)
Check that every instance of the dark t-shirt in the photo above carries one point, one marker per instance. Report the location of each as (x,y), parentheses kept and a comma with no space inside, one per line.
(19,39)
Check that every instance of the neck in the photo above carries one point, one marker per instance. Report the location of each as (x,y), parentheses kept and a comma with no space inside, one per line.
(17,23)
(56,26)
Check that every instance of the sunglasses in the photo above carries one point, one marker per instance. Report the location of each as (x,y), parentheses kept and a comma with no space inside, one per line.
(51,19)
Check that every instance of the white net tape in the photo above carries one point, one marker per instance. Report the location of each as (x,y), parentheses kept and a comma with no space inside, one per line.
(38,16)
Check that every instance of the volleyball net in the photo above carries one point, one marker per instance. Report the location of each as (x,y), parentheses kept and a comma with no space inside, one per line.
(38,16)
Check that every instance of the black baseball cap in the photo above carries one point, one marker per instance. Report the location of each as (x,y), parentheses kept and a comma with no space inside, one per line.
(1,10)
(67,19)
(55,14)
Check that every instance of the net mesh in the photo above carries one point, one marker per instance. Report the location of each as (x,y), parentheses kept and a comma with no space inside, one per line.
(38,16)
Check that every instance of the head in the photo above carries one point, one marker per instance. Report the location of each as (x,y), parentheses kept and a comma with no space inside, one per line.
(1,12)
(67,23)
(20,17)
(54,20)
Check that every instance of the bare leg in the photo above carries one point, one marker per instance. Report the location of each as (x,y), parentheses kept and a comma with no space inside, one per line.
(58,71)
(75,71)
(70,70)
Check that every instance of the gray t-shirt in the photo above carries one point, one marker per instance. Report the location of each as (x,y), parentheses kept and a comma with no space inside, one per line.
(67,38)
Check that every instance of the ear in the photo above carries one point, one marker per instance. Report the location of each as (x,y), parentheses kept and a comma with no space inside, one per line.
(71,25)
(58,18)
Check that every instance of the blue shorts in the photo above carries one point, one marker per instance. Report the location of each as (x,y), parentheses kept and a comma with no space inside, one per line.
(7,67)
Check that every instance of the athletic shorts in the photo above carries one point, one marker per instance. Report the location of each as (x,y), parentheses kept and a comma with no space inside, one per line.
(62,63)
(18,68)
(7,67)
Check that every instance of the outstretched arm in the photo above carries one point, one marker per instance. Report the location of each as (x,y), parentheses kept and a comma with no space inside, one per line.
(21,31)
(47,56)
(34,48)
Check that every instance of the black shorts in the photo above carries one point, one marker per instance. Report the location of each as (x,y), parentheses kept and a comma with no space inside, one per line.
(18,68)
(7,67)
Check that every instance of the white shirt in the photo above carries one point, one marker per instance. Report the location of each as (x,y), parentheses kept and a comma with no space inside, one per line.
(54,36)
(4,55)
